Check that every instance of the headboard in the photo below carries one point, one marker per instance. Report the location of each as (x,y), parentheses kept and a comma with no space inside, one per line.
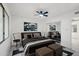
(29,33)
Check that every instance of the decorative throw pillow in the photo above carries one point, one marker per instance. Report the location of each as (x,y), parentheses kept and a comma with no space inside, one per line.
(36,35)
(53,36)
(27,36)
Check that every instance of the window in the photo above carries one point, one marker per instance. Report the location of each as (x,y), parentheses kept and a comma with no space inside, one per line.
(1,24)
(4,24)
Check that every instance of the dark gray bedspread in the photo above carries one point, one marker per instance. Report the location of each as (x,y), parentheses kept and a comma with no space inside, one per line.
(25,41)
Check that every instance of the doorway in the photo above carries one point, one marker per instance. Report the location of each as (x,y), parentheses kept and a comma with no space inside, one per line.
(75,35)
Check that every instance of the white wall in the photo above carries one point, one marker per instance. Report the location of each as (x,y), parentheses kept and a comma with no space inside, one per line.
(5,46)
(17,24)
(66,33)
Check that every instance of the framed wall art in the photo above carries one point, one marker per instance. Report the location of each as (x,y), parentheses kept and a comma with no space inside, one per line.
(28,26)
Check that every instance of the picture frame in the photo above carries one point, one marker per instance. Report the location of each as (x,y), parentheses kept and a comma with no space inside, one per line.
(52,27)
(28,26)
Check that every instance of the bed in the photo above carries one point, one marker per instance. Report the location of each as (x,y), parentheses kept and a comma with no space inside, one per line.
(32,41)
(30,37)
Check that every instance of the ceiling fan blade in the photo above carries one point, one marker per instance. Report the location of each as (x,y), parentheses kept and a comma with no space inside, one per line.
(45,12)
(41,12)
(37,11)
(45,15)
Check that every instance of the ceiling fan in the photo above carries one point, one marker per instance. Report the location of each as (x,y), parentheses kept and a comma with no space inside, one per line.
(42,13)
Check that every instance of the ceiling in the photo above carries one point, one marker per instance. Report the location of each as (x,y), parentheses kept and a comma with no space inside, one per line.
(29,9)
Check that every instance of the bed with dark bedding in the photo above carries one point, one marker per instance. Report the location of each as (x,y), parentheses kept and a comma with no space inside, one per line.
(34,40)
(31,37)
